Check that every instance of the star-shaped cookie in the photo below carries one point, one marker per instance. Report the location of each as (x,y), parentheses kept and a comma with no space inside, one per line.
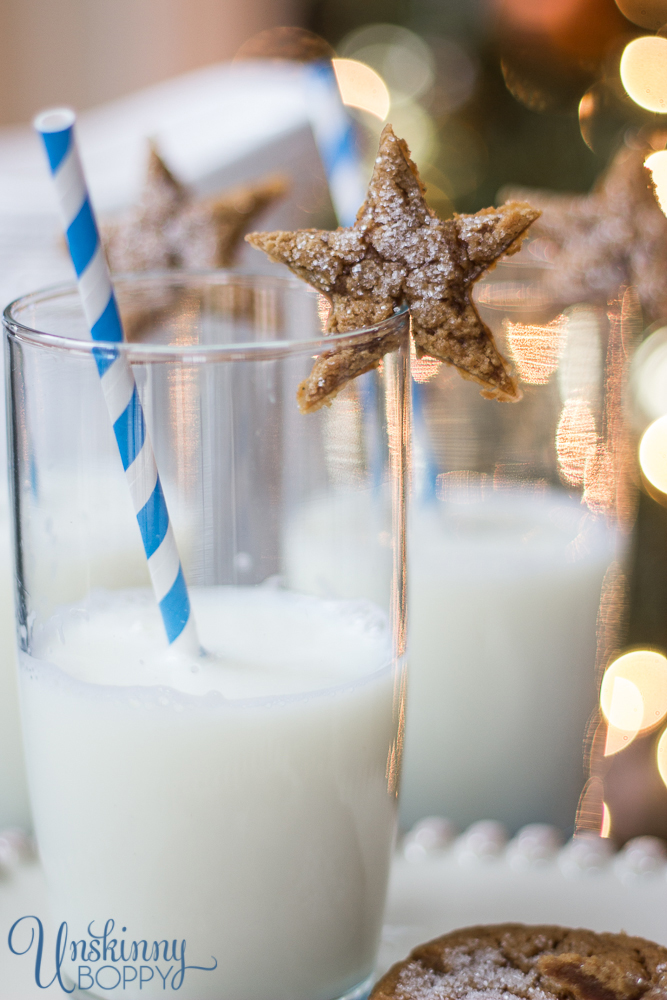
(615,236)
(399,252)
(171,228)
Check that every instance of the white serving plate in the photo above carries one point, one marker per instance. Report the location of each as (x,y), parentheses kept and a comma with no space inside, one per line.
(439,882)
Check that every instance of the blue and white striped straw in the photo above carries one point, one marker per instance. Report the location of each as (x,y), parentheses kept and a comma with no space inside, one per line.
(56,128)
(337,144)
(336,140)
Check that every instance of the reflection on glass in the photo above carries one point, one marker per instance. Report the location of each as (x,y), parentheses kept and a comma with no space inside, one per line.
(536,348)
(576,440)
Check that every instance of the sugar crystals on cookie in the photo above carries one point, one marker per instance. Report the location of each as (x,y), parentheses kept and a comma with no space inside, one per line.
(171,227)
(397,253)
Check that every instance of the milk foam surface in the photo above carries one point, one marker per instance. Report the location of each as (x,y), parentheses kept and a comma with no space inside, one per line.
(240,802)
(258,642)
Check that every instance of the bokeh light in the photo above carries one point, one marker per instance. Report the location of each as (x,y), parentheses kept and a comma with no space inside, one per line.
(623,706)
(403,59)
(633,693)
(650,14)
(361,87)
(617,740)
(456,74)
(648,378)
(657,164)
(576,440)
(536,349)
(653,454)
(662,756)
(416,126)
(587,110)
(605,829)
(605,113)
(427,79)
(644,72)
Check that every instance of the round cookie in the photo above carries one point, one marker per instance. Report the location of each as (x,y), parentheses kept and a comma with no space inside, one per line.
(533,963)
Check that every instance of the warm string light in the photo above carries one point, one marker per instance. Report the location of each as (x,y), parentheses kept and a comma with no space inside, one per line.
(404,61)
(361,87)
(657,164)
(648,378)
(653,454)
(661,754)
(633,696)
(587,108)
(416,84)
(644,72)
(605,829)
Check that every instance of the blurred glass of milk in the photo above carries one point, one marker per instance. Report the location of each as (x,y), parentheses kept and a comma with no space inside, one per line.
(518,512)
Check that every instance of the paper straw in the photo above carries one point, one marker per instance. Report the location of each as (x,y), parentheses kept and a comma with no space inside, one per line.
(336,140)
(423,454)
(56,128)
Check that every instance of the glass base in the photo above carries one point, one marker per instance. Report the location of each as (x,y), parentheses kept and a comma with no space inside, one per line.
(359,992)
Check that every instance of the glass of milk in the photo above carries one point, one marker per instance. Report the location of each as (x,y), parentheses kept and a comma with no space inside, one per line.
(518,524)
(218,826)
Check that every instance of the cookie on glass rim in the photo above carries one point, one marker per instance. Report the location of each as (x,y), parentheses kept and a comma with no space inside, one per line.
(502,961)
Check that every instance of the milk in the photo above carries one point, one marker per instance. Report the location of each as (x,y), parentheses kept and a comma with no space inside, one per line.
(14,806)
(80,534)
(242,803)
(503,601)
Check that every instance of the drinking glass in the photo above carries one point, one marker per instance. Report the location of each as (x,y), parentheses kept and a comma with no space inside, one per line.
(519,524)
(218,825)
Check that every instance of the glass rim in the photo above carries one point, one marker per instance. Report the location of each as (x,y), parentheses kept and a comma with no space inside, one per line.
(189,353)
